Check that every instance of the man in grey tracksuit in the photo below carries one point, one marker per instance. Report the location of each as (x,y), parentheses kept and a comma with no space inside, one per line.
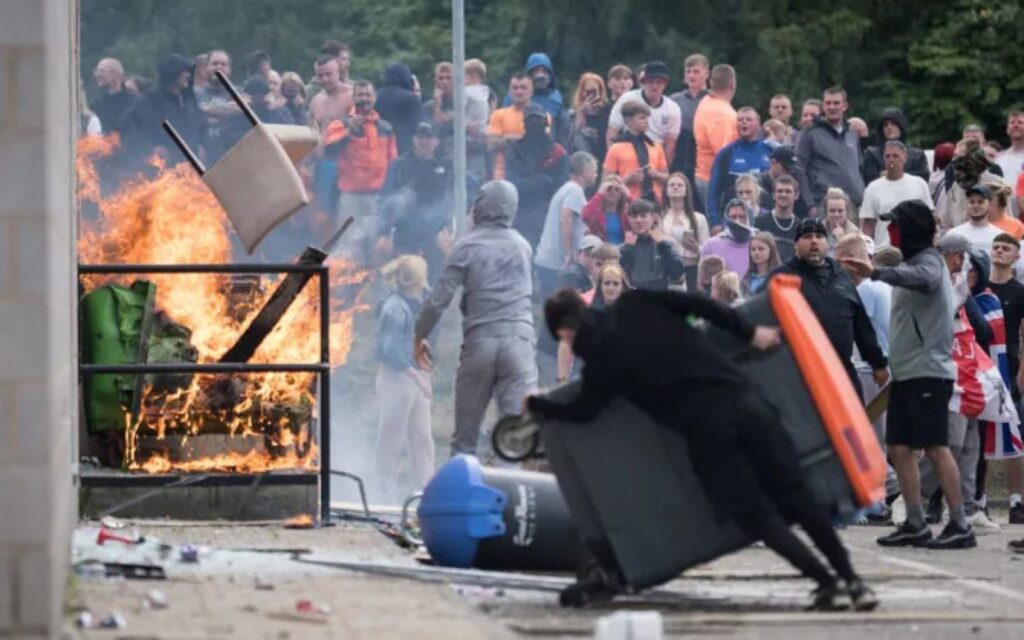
(493,265)
(829,152)
(923,373)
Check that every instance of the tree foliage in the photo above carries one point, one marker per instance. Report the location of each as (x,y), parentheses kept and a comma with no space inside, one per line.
(945,62)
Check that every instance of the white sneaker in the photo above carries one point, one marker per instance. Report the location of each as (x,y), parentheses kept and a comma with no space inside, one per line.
(981,523)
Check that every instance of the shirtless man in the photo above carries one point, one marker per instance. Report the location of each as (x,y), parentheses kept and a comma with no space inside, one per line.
(335,100)
(332,103)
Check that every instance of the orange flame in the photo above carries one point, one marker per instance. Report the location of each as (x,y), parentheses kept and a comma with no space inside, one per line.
(172,218)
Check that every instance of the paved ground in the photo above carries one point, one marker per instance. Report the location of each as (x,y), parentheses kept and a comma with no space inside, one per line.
(240,590)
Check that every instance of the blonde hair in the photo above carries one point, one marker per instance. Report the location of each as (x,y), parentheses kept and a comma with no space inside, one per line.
(611,269)
(775,126)
(758,191)
(725,287)
(1001,193)
(616,270)
(852,245)
(291,76)
(406,273)
(475,67)
(835,193)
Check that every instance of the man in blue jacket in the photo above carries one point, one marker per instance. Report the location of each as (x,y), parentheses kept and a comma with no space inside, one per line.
(747,154)
(546,95)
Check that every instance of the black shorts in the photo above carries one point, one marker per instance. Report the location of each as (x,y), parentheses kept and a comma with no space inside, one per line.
(918,414)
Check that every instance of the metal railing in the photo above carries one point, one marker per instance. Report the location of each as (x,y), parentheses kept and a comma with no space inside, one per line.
(321,368)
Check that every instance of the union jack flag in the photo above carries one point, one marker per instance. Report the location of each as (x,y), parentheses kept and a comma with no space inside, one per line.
(999,439)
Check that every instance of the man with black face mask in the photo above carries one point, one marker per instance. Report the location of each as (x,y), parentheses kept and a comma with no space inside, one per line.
(923,372)
(537,166)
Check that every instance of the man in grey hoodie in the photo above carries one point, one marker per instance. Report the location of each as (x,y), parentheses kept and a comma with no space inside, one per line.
(829,152)
(923,373)
(493,265)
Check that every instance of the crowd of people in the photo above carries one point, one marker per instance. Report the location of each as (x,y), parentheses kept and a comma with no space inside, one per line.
(910,259)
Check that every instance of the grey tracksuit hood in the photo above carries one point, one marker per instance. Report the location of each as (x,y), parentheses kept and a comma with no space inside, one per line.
(495,205)
(493,265)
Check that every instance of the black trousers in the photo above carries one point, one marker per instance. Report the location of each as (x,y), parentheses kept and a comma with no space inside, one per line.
(750,469)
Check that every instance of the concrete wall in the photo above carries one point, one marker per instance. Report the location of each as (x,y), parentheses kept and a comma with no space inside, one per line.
(38,346)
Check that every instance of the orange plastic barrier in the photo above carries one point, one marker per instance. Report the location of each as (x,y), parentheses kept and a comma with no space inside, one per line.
(837,402)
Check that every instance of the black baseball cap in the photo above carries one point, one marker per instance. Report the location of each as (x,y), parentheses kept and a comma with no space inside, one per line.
(980,190)
(534,109)
(809,226)
(656,69)
(425,130)
(784,155)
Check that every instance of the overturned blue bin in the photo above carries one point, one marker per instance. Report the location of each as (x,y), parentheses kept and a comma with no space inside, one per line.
(499,519)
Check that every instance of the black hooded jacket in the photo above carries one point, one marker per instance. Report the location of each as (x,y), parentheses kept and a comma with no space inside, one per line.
(141,125)
(833,297)
(399,105)
(873,166)
(645,349)
(110,107)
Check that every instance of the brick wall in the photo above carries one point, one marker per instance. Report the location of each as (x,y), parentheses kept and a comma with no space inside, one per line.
(38,348)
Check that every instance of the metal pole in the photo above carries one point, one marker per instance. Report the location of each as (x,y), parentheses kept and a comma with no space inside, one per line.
(325,396)
(459,149)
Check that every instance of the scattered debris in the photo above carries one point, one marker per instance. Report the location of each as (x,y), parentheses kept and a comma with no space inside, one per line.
(189,554)
(263,584)
(623,625)
(114,621)
(134,571)
(288,616)
(90,570)
(105,536)
(110,522)
(156,600)
(84,620)
(308,606)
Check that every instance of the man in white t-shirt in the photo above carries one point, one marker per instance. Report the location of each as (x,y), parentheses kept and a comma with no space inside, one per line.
(666,119)
(1011,160)
(563,226)
(978,230)
(892,188)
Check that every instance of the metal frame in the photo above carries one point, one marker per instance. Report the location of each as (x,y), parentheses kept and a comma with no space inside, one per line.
(322,368)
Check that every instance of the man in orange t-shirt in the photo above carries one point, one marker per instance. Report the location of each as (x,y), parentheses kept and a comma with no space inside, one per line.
(636,158)
(508,125)
(714,125)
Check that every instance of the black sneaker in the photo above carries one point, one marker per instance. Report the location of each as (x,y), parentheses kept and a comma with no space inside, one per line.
(1017,514)
(863,598)
(1017,546)
(907,536)
(829,597)
(597,586)
(954,537)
